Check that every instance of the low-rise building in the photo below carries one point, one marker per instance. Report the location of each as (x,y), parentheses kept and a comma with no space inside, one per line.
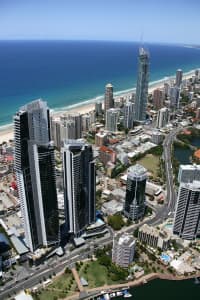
(106,154)
(153,237)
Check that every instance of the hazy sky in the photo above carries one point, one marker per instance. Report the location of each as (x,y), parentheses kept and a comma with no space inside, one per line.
(176,21)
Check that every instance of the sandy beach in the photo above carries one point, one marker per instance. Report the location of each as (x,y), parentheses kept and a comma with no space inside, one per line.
(7,133)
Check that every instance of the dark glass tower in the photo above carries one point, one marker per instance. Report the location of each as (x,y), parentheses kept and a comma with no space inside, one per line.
(35,171)
(79,186)
(142,86)
(187,213)
(134,207)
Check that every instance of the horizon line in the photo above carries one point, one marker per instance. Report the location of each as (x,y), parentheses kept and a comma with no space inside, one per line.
(97,40)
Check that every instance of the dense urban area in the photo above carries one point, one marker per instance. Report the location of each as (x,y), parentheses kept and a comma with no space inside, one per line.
(93,203)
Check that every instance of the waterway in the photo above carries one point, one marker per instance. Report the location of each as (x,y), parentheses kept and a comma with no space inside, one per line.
(165,289)
(183,154)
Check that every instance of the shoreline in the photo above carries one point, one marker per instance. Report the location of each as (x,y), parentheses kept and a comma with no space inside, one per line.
(6,131)
(137,282)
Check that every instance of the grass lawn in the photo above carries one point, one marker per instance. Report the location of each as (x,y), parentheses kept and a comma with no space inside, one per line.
(151,163)
(59,288)
(95,274)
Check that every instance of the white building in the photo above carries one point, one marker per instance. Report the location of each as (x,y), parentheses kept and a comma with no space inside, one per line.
(112,118)
(162,117)
(189,173)
(128,115)
(123,250)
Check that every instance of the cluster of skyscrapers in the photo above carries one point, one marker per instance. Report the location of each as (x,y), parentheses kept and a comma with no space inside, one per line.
(36,179)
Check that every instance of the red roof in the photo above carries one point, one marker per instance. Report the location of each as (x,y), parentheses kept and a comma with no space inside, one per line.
(106,149)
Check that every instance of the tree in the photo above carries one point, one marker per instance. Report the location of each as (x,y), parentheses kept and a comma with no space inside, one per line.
(116,221)
(104,260)
(135,233)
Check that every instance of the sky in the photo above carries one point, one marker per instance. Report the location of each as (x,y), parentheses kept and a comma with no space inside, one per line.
(170,21)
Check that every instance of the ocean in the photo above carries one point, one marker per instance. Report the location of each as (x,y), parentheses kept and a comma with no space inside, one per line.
(67,73)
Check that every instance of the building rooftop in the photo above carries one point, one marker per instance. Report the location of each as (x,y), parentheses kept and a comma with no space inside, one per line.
(106,149)
(126,239)
(19,246)
(137,170)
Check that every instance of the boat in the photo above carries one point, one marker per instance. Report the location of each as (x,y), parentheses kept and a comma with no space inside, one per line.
(106,296)
(112,295)
(127,295)
(196,280)
(119,293)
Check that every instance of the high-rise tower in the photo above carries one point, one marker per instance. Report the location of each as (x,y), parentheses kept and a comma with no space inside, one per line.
(179,76)
(134,207)
(142,86)
(109,100)
(79,186)
(187,214)
(35,172)
(162,117)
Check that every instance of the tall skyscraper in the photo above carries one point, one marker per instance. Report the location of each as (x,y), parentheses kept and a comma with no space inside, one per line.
(128,115)
(179,77)
(35,172)
(142,86)
(134,207)
(79,186)
(187,214)
(112,118)
(109,100)
(162,117)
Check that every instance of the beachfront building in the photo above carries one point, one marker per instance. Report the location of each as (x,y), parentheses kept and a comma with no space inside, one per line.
(186,221)
(158,97)
(77,119)
(35,172)
(174,95)
(179,77)
(67,130)
(134,207)
(108,100)
(154,237)
(79,186)
(142,86)
(128,111)
(112,118)
(189,173)
(162,117)
(86,121)
(98,109)
(55,132)
(123,250)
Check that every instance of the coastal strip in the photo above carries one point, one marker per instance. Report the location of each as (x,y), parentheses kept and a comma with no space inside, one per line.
(6,131)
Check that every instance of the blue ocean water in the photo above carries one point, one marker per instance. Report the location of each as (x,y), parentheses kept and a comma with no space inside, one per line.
(68,72)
